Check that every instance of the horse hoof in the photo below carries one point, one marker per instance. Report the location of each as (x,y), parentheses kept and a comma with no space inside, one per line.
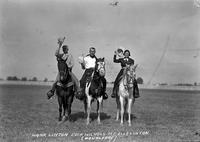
(64,118)
(99,122)
(87,122)
(129,124)
(121,124)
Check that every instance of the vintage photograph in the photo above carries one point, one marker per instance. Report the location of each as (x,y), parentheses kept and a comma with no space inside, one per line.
(99,70)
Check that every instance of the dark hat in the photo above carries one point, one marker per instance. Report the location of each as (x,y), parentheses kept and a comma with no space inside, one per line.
(128,52)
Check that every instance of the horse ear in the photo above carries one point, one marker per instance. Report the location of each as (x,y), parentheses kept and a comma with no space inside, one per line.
(103,58)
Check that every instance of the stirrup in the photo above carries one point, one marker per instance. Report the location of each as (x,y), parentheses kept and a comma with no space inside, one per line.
(113,95)
(50,94)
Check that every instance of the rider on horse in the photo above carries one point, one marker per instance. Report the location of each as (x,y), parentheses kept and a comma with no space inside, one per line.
(68,59)
(126,60)
(89,64)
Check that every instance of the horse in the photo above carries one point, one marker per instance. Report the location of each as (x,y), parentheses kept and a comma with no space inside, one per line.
(64,91)
(94,90)
(125,93)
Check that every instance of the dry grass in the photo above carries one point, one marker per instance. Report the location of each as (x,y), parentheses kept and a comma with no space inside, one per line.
(159,115)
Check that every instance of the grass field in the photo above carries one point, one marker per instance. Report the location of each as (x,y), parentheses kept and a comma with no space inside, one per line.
(157,116)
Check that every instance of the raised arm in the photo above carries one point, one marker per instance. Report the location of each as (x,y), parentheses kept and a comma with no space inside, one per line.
(58,52)
(115,60)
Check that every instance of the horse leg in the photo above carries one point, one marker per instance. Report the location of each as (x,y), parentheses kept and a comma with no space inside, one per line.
(64,107)
(130,100)
(69,104)
(122,109)
(118,108)
(85,106)
(60,108)
(89,98)
(99,102)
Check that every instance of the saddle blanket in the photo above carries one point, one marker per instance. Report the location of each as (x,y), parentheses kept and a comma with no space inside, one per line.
(65,85)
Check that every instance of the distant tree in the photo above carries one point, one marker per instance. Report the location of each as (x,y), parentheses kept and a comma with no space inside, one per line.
(195,84)
(163,84)
(140,80)
(34,79)
(12,78)
(15,78)
(46,79)
(9,78)
(24,79)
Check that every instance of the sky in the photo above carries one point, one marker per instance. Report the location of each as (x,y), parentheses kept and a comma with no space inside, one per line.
(162,35)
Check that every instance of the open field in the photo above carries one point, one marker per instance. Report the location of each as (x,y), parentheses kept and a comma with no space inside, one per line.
(157,116)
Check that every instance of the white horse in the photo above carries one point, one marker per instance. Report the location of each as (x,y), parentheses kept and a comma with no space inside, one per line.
(94,90)
(125,93)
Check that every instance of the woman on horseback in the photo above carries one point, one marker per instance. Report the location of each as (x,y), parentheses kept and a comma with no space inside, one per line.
(124,60)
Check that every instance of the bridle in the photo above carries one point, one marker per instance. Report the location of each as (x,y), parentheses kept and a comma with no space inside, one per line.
(64,73)
(101,68)
(129,76)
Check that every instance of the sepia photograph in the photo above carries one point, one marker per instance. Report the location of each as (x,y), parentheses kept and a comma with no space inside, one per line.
(99,70)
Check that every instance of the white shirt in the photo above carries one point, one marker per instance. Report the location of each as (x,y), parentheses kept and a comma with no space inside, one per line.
(89,62)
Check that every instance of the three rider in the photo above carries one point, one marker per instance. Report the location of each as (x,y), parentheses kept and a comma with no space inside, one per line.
(88,64)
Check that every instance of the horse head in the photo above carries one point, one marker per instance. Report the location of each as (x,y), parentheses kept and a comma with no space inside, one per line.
(63,71)
(130,73)
(100,66)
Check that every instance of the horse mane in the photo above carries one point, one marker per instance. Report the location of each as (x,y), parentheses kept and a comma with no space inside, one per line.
(62,65)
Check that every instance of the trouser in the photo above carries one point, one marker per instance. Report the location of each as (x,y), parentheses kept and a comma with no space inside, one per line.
(136,93)
(117,80)
(104,84)
(86,75)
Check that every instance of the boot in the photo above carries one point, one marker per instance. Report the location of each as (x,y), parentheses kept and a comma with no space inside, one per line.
(105,96)
(50,94)
(113,95)
(80,94)
(136,90)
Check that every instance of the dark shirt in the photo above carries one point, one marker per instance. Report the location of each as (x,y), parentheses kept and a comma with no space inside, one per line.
(124,61)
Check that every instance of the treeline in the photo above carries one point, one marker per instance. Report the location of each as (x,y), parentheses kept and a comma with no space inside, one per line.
(15,78)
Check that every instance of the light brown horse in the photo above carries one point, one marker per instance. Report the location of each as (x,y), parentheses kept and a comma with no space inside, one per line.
(125,93)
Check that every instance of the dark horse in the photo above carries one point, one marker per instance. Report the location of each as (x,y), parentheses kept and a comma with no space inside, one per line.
(94,89)
(64,91)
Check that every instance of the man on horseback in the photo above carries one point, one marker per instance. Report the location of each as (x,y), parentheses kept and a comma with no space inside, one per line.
(68,59)
(89,64)
(125,61)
